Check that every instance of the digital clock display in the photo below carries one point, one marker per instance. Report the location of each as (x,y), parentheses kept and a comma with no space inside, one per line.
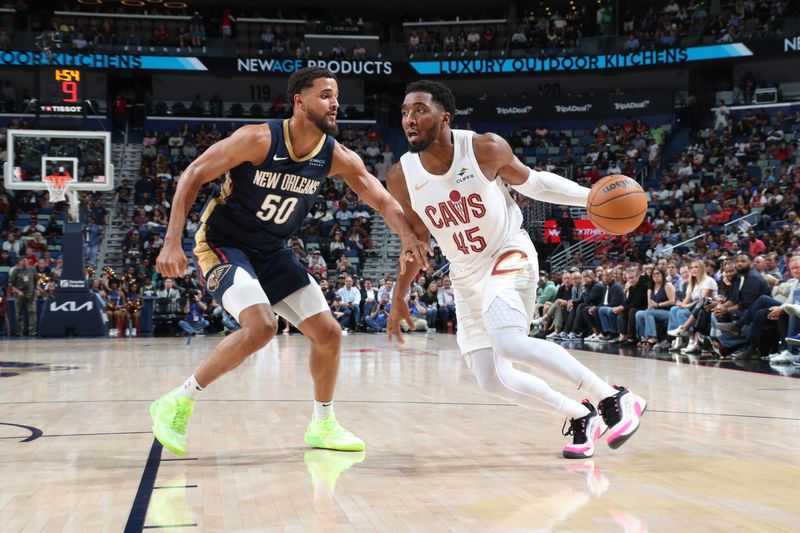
(60,91)
(68,84)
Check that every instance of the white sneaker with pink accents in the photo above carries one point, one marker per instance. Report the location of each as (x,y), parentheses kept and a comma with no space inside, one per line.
(621,413)
(585,432)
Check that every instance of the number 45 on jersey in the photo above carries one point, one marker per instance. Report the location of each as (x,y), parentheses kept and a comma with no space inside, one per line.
(469,240)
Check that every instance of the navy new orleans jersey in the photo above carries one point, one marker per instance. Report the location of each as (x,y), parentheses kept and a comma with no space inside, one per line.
(247,222)
(260,206)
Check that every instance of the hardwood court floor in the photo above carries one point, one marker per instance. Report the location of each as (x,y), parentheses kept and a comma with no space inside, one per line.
(717,450)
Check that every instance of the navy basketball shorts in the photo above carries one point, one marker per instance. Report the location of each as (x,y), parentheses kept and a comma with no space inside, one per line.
(238,279)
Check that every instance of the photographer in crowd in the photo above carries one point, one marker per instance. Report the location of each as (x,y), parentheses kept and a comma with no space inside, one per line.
(193,307)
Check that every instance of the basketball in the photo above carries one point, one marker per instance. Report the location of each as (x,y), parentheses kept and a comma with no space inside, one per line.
(617,204)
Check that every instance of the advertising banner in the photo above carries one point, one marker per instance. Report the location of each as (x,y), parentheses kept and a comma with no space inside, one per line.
(244,65)
(442,67)
(552,233)
(586,231)
(518,65)
(597,107)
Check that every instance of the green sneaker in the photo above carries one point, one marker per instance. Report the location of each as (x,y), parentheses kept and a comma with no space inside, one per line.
(330,435)
(170,417)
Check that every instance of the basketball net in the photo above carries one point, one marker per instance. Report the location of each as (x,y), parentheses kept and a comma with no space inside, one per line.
(57,186)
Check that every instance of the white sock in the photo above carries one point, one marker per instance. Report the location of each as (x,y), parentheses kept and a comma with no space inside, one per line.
(322,410)
(190,388)
(596,388)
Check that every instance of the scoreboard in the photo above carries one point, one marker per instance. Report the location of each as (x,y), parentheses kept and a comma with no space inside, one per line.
(61,91)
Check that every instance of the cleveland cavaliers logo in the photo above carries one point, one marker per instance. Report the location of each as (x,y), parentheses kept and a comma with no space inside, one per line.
(458,210)
(510,263)
(213,280)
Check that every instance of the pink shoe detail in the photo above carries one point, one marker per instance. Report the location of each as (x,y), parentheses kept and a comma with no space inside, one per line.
(577,449)
(614,436)
(597,433)
(637,407)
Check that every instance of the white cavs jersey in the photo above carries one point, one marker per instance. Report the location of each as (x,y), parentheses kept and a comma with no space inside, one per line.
(479,228)
(469,216)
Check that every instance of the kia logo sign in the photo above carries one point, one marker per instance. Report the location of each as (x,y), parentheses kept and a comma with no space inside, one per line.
(71,307)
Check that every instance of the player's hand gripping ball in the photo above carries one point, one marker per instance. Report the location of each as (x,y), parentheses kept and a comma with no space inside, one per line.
(617,204)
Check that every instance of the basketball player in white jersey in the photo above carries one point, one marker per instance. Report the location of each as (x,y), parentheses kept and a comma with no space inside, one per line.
(453,184)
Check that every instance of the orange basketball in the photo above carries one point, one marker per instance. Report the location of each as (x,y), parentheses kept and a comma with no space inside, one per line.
(617,204)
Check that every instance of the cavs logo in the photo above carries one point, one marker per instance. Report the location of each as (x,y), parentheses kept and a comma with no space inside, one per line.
(510,263)
(213,280)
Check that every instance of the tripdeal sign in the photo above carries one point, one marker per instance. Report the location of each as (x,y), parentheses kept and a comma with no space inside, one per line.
(598,107)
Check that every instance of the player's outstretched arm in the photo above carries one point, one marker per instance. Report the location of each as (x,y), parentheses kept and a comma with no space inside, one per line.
(349,166)
(248,143)
(493,151)
(396,183)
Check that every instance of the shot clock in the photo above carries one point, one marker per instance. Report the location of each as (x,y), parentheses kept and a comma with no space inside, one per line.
(60,91)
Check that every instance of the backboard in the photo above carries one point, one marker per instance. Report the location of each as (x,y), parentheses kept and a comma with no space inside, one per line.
(83,155)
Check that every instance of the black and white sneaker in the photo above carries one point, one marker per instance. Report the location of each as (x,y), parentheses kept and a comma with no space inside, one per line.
(585,432)
(622,413)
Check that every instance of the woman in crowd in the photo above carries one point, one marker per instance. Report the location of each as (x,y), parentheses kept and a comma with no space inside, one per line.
(115,308)
(133,308)
(700,287)
(430,299)
(660,298)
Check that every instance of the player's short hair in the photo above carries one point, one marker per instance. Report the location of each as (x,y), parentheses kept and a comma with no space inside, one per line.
(304,79)
(440,93)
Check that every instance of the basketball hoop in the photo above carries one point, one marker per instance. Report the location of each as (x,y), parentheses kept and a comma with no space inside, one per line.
(57,187)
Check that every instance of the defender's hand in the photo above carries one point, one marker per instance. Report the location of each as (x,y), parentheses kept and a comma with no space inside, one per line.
(413,249)
(171,261)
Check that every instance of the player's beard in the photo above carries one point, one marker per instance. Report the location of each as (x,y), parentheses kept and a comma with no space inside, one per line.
(321,122)
(428,139)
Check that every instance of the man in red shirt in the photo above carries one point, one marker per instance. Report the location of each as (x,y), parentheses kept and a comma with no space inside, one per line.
(757,246)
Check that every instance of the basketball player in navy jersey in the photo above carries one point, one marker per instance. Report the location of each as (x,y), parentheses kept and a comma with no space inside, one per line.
(453,184)
(273,172)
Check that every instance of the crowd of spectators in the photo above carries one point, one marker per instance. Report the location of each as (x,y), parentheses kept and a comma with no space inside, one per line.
(365,305)
(608,148)
(740,306)
(722,291)
(750,20)
(648,26)
(541,30)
